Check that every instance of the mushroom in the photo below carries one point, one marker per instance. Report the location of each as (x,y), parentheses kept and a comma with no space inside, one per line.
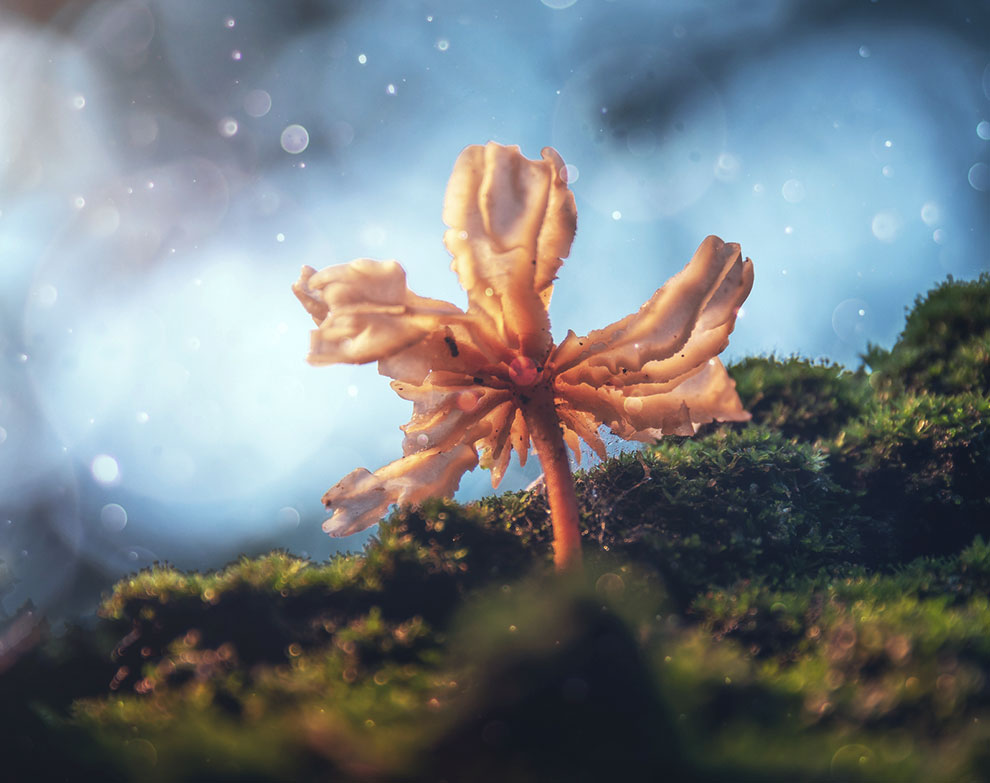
(489,379)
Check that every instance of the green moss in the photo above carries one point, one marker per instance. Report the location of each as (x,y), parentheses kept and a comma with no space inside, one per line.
(945,345)
(710,510)
(542,666)
(803,598)
(800,398)
(919,467)
(864,652)
(419,567)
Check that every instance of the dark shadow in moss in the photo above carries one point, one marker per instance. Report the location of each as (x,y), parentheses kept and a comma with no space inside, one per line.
(919,469)
(41,676)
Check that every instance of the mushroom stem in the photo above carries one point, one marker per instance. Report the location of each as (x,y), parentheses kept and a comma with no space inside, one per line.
(544,428)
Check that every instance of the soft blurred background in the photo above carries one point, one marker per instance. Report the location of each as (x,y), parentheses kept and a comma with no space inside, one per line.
(166,166)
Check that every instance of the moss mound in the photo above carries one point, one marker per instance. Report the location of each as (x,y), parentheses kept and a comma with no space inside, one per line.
(803,598)
(799,398)
(728,506)
(919,466)
(945,345)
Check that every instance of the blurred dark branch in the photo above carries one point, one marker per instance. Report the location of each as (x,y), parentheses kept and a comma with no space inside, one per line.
(722,47)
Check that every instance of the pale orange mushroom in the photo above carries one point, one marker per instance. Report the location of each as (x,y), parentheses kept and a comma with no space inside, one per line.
(490,378)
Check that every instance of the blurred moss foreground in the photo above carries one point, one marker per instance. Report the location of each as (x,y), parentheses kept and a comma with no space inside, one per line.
(800,599)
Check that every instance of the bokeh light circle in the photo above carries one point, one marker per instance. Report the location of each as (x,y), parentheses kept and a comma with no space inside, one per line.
(569,173)
(930,213)
(793,191)
(979,176)
(886,225)
(287,518)
(113,517)
(257,103)
(851,321)
(295,139)
(727,167)
(105,469)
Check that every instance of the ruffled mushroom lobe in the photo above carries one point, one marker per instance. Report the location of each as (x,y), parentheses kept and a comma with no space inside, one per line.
(511,221)
(365,312)
(362,498)
(654,372)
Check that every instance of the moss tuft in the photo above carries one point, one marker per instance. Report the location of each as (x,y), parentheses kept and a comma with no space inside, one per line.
(945,345)
(919,467)
(799,398)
